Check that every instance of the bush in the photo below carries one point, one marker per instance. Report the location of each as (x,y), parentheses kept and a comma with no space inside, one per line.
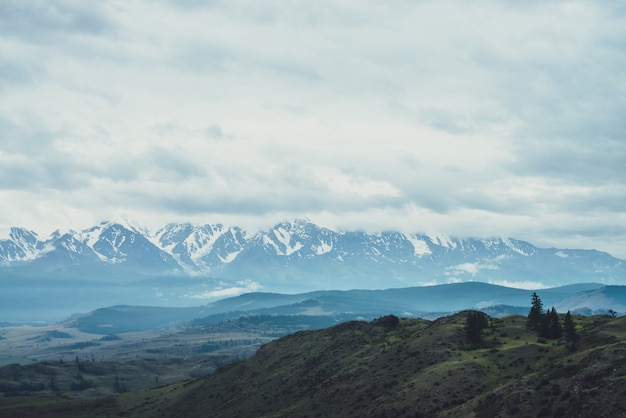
(82,385)
(387,322)
(111,337)
(58,334)
(514,410)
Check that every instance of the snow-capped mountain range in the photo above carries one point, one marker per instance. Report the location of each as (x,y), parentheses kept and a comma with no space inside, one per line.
(298,255)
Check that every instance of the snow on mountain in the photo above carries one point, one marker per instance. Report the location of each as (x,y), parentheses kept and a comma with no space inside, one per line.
(284,242)
(112,240)
(420,246)
(200,248)
(520,247)
(300,239)
(125,243)
(108,243)
(64,249)
(442,240)
(305,253)
(21,246)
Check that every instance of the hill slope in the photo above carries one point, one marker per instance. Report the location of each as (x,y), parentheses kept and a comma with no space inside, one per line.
(410,368)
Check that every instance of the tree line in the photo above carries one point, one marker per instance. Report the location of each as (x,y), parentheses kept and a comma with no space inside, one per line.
(547,324)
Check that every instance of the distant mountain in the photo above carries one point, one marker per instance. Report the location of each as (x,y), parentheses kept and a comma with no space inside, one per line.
(109,249)
(22,246)
(596,300)
(201,248)
(297,256)
(424,302)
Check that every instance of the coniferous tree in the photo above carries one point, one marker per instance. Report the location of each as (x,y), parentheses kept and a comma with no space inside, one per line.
(555,325)
(569,329)
(544,328)
(550,326)
(475,323)
(535,315)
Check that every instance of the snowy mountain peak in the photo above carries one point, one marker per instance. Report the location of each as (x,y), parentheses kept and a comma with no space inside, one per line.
(172,234)
(520,247)
(201,240)
(127,223)
(199,248)
(298,226)
(284,240)
(22,245)
(24,237)
(442,240)
(58,233)
(301,251)
(300,238)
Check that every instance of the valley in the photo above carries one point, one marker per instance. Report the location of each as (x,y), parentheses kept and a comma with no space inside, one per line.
(65,361)
(77,359)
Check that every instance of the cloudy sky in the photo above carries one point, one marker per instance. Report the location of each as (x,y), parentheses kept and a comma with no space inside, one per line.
(475,119)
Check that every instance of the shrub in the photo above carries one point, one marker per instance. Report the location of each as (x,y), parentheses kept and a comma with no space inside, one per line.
(387,322)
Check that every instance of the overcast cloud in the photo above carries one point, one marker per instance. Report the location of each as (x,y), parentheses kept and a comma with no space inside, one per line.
(474,119)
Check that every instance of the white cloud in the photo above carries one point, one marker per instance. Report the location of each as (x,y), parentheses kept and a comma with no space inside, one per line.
(471,268)
(521,284)
(245,286)
(472,119)
(485,304)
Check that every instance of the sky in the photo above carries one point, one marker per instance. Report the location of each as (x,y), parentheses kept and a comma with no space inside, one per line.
(475,119)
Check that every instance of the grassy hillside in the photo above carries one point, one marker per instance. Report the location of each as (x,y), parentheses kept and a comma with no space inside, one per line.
(410,368)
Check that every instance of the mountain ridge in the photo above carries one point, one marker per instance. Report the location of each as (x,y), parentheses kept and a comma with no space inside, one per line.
(299,253)
(427,302)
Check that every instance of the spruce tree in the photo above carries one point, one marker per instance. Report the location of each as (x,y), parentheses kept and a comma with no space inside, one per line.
(569,329)
(550,326)
(535,315)
(475,322)
(544,327)
(555,326)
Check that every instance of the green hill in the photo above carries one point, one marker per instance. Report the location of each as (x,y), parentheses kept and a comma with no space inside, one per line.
(389,368)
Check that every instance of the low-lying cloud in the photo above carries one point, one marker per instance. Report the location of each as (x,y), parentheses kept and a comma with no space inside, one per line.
(244,286)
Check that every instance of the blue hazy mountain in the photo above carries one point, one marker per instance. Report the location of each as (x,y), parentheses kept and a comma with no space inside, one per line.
(297,256)
(183,265)
(425,302)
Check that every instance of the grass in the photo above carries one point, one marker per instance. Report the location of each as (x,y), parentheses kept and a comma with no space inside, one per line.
(417,368)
